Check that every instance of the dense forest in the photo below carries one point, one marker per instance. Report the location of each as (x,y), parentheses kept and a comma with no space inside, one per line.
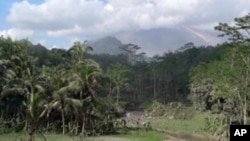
(74,92)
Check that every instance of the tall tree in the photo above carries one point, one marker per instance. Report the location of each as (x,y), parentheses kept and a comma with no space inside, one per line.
(239,35)
(117,74)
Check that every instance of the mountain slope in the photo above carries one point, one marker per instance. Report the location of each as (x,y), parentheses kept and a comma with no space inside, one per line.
(155,41)
(107,45)
(160,40)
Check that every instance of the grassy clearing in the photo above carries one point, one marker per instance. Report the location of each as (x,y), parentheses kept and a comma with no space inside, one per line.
(177,124)
(190,129)
(183,120)
(142,135)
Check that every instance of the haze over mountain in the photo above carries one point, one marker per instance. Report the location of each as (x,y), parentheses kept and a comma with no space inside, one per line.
(109,45)
(155,41)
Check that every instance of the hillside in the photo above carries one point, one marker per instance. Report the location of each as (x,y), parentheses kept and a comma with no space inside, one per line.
(106,45)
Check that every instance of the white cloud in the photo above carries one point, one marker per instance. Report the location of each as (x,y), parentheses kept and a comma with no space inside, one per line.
(126,3)
(206,26)
(109,8)
(68,31)
(17,33)
(244,12)
(55,14)
(95,18)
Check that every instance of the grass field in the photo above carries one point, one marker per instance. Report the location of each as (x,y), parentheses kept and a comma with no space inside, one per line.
(177,124)
(193,121)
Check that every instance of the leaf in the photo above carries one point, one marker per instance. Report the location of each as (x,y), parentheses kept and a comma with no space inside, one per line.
(40,89)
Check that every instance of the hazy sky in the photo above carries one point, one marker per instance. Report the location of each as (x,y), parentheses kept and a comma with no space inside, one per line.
(60,22)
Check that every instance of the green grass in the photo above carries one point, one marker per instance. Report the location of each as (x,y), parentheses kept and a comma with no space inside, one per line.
(191,129)
(194,124)
(142,135)
(21,137)
(178,125)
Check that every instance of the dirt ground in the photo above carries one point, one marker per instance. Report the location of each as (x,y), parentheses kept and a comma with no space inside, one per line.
(107,138)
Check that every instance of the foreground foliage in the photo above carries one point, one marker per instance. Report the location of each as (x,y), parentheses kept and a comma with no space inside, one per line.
(35,98)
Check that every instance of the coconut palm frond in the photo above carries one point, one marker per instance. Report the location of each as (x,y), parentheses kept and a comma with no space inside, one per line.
(43,113)
(40,89)
(15,57)
(27,82)
(92,64)
(74,102)
(62,91)
(14,83)
(4,62)
(47,108)
(55,104)
(35,104)
(10,74)
(12,91)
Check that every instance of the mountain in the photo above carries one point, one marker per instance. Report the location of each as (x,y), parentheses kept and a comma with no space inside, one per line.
(160,40)
(155,41)
(107,45)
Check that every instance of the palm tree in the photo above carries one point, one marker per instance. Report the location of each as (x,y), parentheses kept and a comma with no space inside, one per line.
(12,94)
(62,98)
(35,97)
(22,87)
(19,82)
(78,50)
(85,74)
(60,94)
(117,74)
(74,84)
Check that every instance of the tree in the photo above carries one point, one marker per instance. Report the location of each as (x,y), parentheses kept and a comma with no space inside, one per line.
(131,51)
(77,51)
(85,82)
(239,36)
(117,74)
(222,85)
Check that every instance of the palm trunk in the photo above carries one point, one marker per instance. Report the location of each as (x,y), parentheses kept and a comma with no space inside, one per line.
(83,124)
(245,111)
(155,87)
(110,87)
(245,108)
(76,126)
(30,132)
(117,91)
(26,123)
(63,119)
(48,123)
(118,95)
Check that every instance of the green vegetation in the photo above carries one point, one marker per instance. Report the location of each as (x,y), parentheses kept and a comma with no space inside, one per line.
(179,124)
(222,86)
